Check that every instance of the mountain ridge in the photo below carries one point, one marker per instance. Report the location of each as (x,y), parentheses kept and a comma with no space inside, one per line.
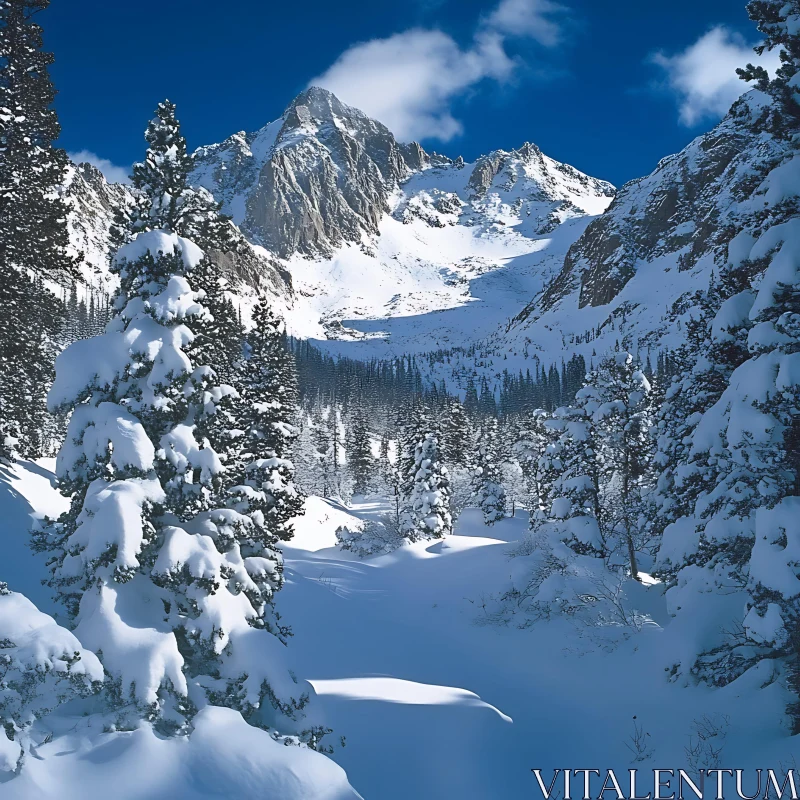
(354,224)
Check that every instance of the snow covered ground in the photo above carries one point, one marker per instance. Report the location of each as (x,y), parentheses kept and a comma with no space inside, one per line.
(423,288)
(436,702)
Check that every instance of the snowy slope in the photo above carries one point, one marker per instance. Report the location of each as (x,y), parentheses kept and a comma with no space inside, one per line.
(441,703)
(631,273)
(438,699)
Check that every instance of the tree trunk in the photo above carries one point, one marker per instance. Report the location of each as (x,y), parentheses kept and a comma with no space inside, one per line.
(632,556)
(626,507)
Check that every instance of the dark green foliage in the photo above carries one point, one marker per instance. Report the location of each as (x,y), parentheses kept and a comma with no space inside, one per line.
(773,20)
(266,416)
(360,460)
(165,200)
(33,231)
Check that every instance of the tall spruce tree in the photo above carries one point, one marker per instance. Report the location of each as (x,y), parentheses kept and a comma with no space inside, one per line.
(360,461)
(174,591)
(487,482)
(622,416)
(576,505)
(33,230)
(531,442)
(266,415)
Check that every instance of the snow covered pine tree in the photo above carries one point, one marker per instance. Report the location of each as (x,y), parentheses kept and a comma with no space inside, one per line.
(33,229)
(42,665)
(733,557)
(266,413)
(426,508)
(175,591)
(487,486)
(159,573)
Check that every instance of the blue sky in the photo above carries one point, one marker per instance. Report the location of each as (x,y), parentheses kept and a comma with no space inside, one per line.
(610,86)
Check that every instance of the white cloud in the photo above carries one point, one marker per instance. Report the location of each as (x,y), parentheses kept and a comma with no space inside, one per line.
(703,76)
(112,172)
(542,20)
(410,80)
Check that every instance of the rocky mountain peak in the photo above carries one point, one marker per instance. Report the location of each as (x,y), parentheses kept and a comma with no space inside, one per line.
(317,106)
(526,173)
(316,178)
(673,212)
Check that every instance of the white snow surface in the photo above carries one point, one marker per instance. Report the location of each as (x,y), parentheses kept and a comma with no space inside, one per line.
(223,758)
(436,701)
(73,754)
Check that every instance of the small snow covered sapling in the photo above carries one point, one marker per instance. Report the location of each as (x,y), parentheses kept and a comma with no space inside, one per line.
(426,511)
(42,666)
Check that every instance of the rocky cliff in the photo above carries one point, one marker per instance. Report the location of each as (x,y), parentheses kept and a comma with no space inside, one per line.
(316,178)
(684,210)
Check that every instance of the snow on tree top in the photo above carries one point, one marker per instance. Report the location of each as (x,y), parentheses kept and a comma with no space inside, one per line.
(155,242)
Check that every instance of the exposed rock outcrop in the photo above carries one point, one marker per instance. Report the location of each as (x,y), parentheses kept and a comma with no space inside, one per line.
(318,177)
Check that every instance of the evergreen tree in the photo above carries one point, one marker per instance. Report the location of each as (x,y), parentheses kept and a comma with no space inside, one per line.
(730,555)
(174,591)
(165,199)
(33,232)
(266,417)
(360,461)
(471,401)
(487,485)
(735,549)
(576,506)
(777,20)
(622,416)
(715,348)
(413,425)
(426,511)
(531,443)
(457,434)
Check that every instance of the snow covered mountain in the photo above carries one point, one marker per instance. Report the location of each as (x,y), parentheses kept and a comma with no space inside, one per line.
(386,243)
(369,244)
(630,276)
(94,202)
(312,180)
(375,248)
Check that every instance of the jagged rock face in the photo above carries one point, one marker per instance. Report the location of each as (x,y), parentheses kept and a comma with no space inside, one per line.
(545,178)
(93,203)
(520,189)
(316,178)
(678,209)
